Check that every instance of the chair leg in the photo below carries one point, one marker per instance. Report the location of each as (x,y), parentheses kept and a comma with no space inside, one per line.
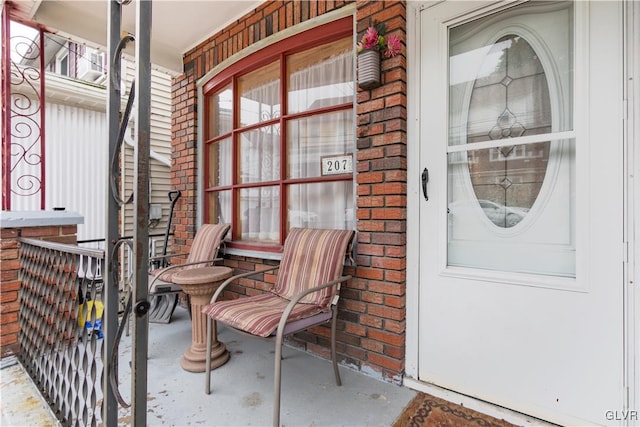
(277,380)
(207,369)
(334,359)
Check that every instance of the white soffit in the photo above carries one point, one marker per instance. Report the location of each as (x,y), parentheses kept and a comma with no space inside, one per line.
(177,25)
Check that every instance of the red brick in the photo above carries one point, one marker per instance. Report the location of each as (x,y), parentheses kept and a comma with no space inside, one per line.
(357,306)
(371,177)
(371,201)
(355,329)
(6,297)
(395,276)
(371,321)
(386,288)
(10,264)
(393,301)
(388,238)
(385,337)
(373,153)
(7,339)
(389,188)
(388,213)
(385,362)
(386,312)
(9,307)
(11,328)
(8,244)
(372,297)
(371,250)
(8,233)
(388,263)
(8,275)
(396,352)
(40,231)
(397,327)
(372,345)
(8,318)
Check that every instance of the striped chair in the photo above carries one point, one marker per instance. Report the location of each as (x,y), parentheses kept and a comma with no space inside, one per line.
(204,250)
(305,294)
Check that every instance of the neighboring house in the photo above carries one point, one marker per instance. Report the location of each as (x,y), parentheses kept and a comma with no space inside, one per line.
(533,107)
(76,138)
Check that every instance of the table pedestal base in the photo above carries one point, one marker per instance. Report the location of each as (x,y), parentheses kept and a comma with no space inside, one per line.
(195,360)
(200,284)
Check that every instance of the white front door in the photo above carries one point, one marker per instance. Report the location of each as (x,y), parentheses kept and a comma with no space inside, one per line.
(521,220)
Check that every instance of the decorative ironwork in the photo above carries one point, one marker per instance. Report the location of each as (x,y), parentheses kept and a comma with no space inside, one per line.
(26,140)
(60,327)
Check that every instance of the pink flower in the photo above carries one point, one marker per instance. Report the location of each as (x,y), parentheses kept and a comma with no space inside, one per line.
(370,39)
(393,46)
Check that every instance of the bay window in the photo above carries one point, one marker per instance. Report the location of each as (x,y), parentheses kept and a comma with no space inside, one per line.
(279,139)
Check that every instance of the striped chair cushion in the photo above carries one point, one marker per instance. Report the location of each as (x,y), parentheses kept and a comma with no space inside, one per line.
(310,258)
(258,315)
(205,246)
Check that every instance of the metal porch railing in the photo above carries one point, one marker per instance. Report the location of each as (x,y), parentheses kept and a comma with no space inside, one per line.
(60,332)
(61,314)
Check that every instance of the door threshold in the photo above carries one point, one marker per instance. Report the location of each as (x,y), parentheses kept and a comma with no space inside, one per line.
(499,412)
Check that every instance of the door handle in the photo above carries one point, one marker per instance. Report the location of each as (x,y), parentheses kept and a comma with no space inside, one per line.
(425,180)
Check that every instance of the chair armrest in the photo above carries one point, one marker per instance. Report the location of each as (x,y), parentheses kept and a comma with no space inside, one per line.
(224,284)
(173,267)
(296,299)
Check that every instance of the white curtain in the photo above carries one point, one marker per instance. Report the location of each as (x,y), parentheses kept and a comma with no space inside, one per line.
(330,204)
(260,162)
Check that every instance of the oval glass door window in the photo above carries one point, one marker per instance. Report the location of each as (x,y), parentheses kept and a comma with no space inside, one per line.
(509,99)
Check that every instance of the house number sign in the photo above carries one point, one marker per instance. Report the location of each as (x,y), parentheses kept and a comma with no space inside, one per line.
(334,165)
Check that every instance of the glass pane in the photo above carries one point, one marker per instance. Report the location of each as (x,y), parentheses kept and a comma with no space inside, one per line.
(219,204)
(503,88)
(321,77)
(260,95)
(220,112)
(321,205)
(507,180)
(497,224)
(220,165)
(260,155)
(260,214)
(312,138)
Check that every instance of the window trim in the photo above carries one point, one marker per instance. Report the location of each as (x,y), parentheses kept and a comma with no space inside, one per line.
(228,76)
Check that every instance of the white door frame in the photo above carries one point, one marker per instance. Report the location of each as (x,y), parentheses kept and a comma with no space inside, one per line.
(632,155)
(625,416)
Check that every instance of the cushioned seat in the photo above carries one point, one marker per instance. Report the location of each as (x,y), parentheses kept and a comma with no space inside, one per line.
(204,250)
(305,294)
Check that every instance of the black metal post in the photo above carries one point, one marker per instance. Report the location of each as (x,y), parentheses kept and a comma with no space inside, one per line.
(141,216)
(111,296)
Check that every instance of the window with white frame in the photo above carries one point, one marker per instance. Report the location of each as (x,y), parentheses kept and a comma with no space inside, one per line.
(62,61)
(279,137)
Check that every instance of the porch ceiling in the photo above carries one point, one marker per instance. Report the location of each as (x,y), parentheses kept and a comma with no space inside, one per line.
(177,25)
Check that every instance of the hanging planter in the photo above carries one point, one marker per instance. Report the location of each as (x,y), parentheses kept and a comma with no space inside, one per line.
(373,44)
(369,69)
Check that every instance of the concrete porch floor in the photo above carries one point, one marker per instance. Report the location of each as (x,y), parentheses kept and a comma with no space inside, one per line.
(242,389)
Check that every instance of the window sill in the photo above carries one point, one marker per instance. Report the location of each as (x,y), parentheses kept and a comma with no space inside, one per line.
(253,253)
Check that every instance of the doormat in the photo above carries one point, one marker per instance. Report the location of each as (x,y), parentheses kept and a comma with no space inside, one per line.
(426,410)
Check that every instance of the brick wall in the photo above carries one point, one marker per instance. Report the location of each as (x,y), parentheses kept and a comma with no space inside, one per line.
(371,333)
(9,279)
